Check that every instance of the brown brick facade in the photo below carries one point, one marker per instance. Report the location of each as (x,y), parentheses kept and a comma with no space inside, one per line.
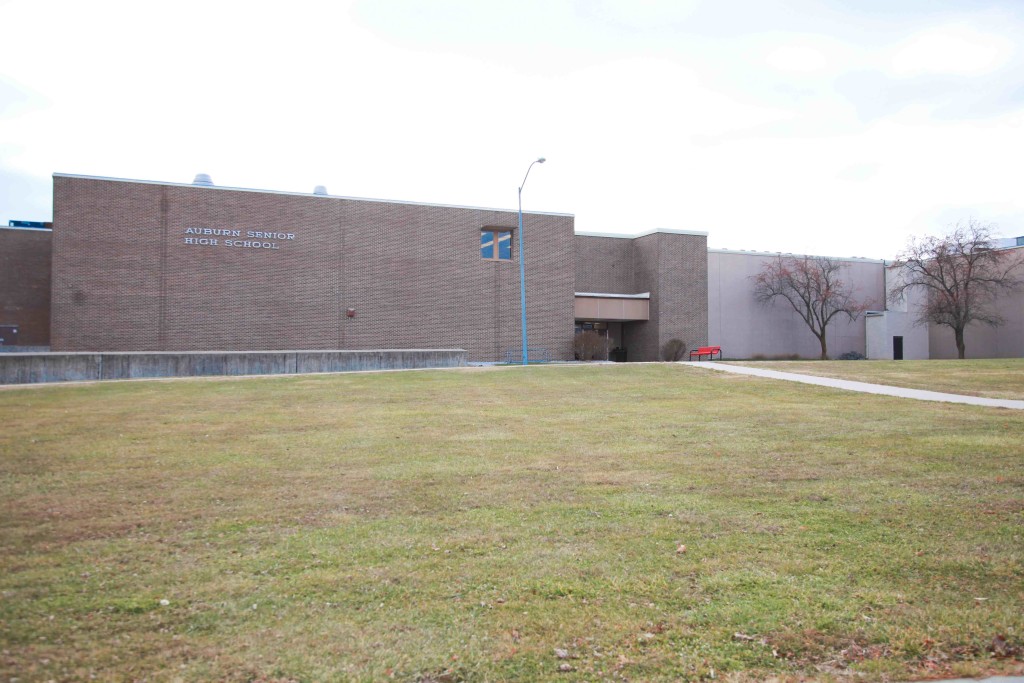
(25,284)
(604,264)
(671,266)
(126,280)
(680,295)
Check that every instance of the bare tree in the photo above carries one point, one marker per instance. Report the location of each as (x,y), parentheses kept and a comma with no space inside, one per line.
(813,287)
(961,273)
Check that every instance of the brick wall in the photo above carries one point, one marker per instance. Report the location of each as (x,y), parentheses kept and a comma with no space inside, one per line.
(682,289)
(643,337)
(604,264)
(25,283)
(125,279)
(671,266)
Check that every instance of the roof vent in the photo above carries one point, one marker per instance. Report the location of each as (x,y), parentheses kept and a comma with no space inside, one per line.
(203,179)
(320,190)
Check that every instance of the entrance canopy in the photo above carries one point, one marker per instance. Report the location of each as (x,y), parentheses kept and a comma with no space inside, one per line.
(599,306)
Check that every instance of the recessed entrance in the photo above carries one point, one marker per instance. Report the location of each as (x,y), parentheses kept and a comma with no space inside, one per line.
(8,335)
(603,321)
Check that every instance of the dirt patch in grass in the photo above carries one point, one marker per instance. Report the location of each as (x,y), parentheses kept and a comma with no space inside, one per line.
(532,524)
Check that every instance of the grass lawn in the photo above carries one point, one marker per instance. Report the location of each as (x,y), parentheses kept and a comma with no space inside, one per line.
(516,523)
(992,378)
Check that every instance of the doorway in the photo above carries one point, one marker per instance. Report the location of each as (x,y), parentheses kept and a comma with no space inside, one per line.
(897,348)
(608,344)
(8,335)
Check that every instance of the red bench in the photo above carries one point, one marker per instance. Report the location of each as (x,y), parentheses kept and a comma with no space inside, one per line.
(708,351)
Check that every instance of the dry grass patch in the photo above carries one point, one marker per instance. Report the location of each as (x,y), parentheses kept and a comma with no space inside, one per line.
(506,525)
(992,378)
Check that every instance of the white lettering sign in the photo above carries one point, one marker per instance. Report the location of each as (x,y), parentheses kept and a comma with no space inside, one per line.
(255,239)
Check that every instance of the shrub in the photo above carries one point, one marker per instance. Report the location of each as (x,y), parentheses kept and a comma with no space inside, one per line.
(853,355)
(590,345)
(673,350)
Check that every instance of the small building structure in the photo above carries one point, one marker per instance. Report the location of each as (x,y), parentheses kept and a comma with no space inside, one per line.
(892,333)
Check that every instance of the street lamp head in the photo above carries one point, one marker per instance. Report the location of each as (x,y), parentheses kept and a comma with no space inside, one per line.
(541,160)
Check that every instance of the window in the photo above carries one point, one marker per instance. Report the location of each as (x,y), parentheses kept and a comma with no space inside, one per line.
(496,245)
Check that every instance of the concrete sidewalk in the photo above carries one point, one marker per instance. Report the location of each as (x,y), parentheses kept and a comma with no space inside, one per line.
(863,387)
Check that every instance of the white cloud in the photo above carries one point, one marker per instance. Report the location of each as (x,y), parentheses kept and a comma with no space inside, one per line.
(953,50)
(797,59)
(646,121)
(644,14)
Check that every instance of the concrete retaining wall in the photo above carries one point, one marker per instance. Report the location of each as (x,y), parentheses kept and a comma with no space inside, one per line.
(31,368)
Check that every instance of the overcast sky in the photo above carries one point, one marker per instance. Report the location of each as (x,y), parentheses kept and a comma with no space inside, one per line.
(815,126)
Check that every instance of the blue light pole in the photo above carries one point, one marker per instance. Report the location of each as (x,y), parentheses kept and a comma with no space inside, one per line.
(522,261)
